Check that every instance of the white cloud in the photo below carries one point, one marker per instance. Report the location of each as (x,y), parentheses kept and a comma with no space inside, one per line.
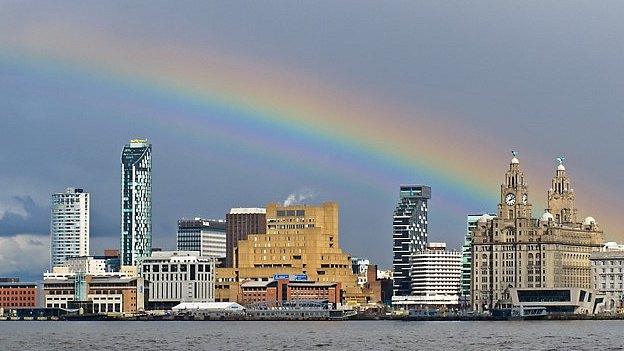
(24,254)
(299,197)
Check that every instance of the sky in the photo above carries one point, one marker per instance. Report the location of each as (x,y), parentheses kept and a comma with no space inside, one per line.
(247,103)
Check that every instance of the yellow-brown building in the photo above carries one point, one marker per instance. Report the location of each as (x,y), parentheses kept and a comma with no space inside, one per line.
(300,239)
(515,250)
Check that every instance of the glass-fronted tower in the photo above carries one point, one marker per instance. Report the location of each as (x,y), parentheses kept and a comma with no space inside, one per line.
(136,202)
(409,233)
(69,226)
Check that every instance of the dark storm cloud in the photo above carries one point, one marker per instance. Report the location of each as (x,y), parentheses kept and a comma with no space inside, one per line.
(35,221)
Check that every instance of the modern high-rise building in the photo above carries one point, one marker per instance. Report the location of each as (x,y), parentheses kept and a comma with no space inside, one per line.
(471,224)
(136,202)
(240,223)
(69,225)
(205,236)
(516,251)
(409,233)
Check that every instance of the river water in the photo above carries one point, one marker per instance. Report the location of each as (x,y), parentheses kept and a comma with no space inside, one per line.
(350,335)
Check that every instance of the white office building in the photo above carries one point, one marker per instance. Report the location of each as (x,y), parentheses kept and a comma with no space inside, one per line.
(204,235)
(69,225)
(607,275)
(436,279)
(178,276)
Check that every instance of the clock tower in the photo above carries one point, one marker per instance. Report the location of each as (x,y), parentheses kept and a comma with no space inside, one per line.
(561,197)
(514,201)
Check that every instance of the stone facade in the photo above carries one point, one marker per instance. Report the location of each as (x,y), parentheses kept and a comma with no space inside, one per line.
(515,250)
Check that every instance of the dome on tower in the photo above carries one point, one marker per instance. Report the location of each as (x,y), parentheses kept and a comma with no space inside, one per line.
(589,221)
(483,219)
(561,168)
(546,217)
(515,160)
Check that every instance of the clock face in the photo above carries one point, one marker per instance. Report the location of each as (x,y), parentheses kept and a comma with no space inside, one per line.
(510,199)
(525,199)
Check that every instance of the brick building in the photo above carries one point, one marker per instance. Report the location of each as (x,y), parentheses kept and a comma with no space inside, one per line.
(16,294)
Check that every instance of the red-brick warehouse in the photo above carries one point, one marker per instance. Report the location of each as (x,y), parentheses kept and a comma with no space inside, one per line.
(16,295)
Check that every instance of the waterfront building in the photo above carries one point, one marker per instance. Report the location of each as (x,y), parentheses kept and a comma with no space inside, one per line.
(69,225)
(206,236)
(15,294)
(110,294)
(136,202)
(300,239)
(409,233)
(558,300)
(471,224)
(607,275)
(515,250)
(240,223)
(178,276)
(111,260)
(283,288)
(436,279)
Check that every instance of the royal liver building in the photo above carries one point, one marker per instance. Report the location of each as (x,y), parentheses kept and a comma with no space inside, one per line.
(136,202)
(515,250)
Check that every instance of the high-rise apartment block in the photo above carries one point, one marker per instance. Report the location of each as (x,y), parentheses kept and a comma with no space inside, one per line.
(206,236)
(409,233)
(515,250)
(240,223)
(69,225)
(136,202)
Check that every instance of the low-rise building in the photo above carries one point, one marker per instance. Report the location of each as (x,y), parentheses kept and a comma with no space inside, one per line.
(17,294)
(607,275)
(116,294)
(178,276)
(282,289)
(559,300)
(227,287)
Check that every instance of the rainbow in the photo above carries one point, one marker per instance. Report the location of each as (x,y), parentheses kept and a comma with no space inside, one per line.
(281,114)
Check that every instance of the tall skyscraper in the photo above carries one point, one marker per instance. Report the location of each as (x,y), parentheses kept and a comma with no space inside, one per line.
(240,223)
(69,225)
(136,202)
(205,236)
(409,233)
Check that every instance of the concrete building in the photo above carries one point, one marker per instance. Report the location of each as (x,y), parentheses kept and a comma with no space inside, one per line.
(300,239)
(174,277)
(607,275)
(471,224)
(206,236)
(115,294)
(515,250)
(69,225)
(17,294)
(227,286)
(240,223)
(436,279)
(409,233)
(136,202)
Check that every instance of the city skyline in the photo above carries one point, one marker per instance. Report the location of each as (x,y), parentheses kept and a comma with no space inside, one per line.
(305,111)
